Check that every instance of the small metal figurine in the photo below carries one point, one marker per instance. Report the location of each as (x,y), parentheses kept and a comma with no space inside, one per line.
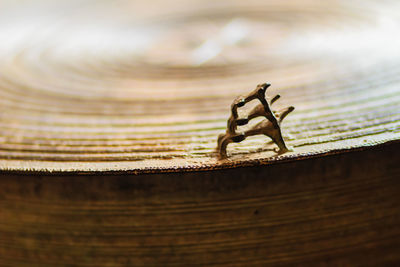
(270,126)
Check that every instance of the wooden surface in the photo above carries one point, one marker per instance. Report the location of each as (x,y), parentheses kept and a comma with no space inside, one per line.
(338,210)
(100,99)
(122,85)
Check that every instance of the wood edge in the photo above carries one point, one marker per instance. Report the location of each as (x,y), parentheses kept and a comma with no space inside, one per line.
(233,165)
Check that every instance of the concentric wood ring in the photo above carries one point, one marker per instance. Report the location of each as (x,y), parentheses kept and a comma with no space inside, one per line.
(127,86)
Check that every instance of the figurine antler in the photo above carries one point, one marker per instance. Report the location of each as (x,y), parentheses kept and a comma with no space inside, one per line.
(270,126)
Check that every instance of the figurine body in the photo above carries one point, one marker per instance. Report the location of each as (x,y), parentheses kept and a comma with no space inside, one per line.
(270,126)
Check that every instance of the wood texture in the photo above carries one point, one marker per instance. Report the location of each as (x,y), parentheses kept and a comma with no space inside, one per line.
(100,99)
(123,85)
(334,210)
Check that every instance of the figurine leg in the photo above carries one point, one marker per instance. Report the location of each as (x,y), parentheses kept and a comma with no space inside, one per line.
(276,136)
(225,139)
(222,144)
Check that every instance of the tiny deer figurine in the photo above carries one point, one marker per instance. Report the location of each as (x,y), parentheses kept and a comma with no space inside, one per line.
(270,126)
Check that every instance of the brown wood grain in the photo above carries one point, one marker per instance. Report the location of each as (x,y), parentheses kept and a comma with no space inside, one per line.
(109,117)
(96,86)
(335,210)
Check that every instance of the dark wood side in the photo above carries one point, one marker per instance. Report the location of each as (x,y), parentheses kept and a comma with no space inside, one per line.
(341,209)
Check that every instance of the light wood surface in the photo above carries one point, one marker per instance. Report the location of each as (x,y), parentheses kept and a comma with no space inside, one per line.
(96,86)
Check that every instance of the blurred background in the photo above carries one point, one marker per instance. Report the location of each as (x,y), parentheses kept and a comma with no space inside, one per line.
(90,81)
